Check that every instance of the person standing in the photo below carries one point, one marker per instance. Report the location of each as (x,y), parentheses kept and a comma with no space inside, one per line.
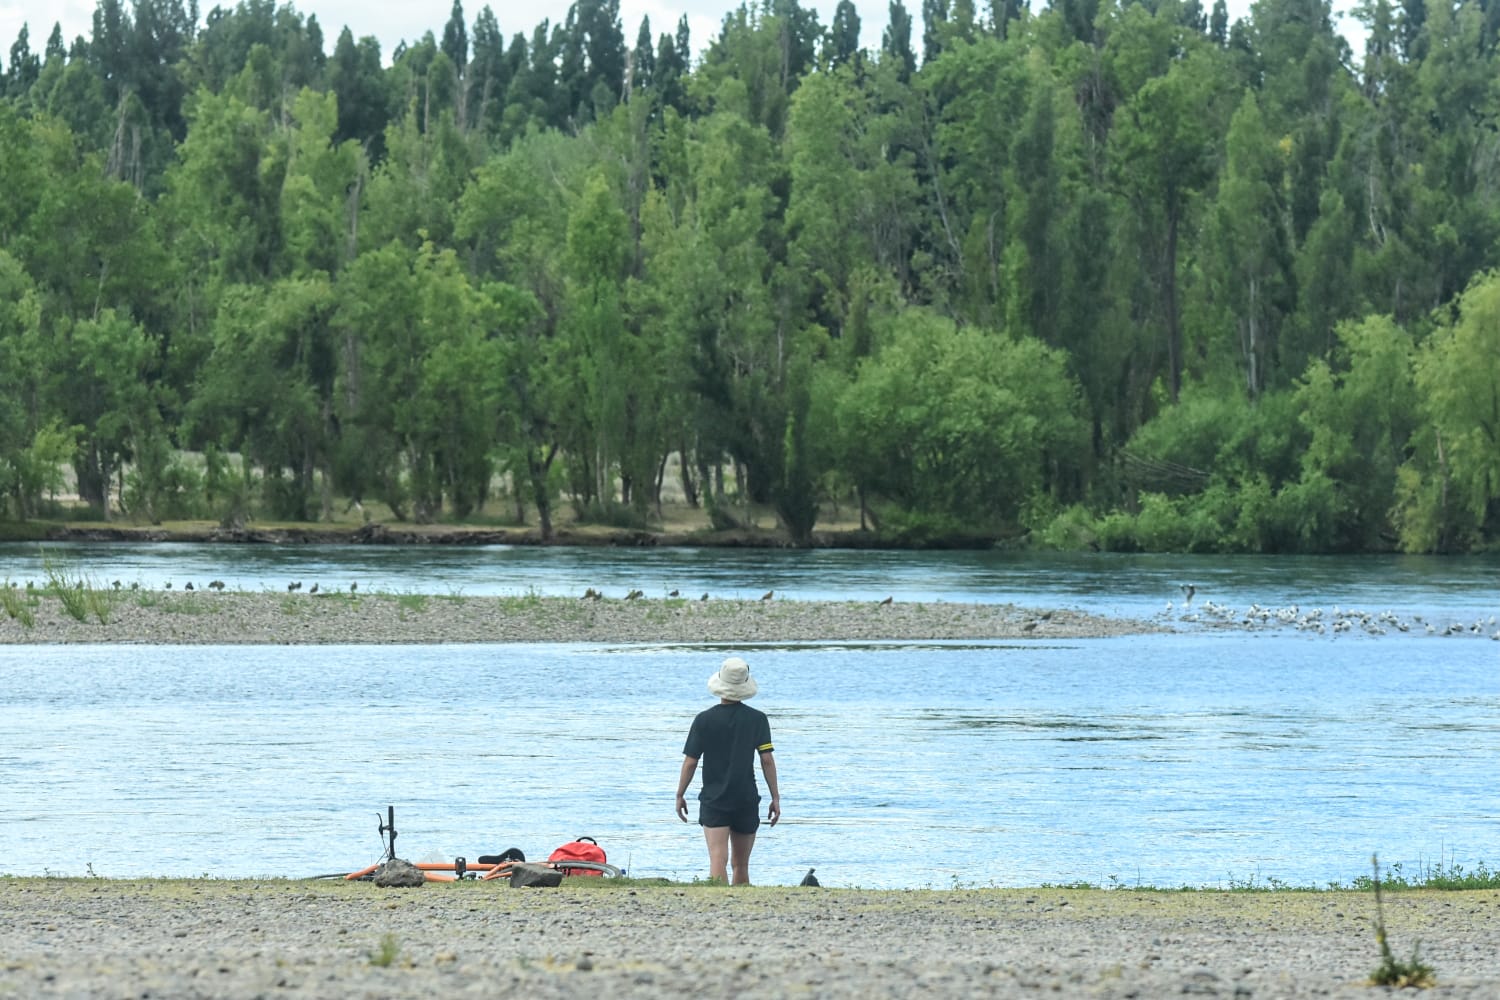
(728,738)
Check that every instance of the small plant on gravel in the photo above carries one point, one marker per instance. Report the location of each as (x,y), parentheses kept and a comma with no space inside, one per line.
(386,953)
(529,601)
(16,604)
(1392,971)
(1439,876)
(188,606)
(409,601)
(77,592)
(101,603)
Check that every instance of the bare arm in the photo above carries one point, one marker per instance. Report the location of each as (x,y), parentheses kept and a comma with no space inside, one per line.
(768,768)
(689,768)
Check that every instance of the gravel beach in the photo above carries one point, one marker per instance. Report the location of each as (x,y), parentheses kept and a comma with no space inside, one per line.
(230,939)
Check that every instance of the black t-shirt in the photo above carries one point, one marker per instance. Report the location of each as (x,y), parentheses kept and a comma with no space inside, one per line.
(726,739)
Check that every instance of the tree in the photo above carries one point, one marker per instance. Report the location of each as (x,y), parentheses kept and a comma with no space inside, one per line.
(268,389)
(320,192)
(895,41)
(642,72)
(598,353)
(356,78)
(32,445)
(843,37)
(220,207)
(1252,277)
(455,44)
(25,67)
(953,422)
(934,29)
(671,68)
(1449,492)
(513,224)
(489,72)
(106,389)
(1360,418)
(413,194)
(1163,156)
(417,394)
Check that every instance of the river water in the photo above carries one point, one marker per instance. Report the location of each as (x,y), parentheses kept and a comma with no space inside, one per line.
(1208,757)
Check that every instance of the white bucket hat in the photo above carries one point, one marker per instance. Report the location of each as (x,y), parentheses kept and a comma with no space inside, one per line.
(733,680)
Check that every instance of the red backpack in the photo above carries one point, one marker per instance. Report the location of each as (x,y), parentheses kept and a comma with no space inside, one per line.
(582,849)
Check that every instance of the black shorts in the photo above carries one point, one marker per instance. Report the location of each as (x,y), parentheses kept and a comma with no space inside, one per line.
(741,819)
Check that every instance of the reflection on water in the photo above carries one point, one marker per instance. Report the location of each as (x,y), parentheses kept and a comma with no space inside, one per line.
(1166,760)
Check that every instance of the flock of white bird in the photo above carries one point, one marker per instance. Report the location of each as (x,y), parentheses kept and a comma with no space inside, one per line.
(1332,622)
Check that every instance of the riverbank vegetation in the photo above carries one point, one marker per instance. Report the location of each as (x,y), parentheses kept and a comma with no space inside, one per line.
(1113,275)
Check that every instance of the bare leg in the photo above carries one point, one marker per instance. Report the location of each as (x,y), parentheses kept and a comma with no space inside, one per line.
(718,852)
(740,845)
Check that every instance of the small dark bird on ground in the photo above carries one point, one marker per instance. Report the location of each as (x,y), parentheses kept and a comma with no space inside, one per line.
(353,586)
(810,878)
(704,597)
(888,600)
(117,584)
(1029,627)
(674,593)
(313,589)
(768,595)
(188,585)
(634,595)
(296,585)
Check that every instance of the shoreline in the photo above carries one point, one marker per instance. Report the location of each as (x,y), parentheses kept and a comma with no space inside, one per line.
(679,534)
(206,617)
(236,939)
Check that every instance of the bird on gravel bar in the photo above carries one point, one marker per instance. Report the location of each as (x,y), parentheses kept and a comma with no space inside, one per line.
(768,595)
(888,600)
(810,878)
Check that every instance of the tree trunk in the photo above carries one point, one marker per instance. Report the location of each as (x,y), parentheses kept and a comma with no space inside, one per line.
(689,487)
(538,466)
(1174,328)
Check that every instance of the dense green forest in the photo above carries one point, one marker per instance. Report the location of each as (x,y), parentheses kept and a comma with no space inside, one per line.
(1122,276)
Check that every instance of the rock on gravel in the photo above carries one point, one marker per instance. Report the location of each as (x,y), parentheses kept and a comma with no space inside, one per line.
(600,938)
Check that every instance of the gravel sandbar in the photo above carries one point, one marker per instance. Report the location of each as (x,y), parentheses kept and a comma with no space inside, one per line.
(208,617)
